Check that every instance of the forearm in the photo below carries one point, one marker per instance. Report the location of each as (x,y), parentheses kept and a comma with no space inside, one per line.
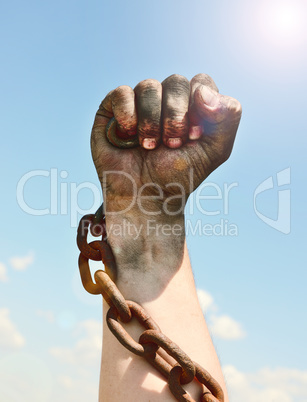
(154,270)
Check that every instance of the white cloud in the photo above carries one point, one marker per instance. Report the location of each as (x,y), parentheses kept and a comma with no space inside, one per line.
(66,381)
(280,384)
(78,387)
(25,377)
(221,326)
(226,327)
(80,381)
(3,273)
(48,315)
(205,300)
(87,349)
(21,263)
(9,336)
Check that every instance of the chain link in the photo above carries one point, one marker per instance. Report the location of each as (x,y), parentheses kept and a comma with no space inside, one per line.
(153,345)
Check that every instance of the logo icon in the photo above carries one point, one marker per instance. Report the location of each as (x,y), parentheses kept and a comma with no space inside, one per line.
(283,221)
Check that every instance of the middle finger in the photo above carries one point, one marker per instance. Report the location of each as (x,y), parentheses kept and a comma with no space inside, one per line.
(175,105)
(148,95)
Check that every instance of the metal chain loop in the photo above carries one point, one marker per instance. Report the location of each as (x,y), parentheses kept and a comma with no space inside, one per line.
(98,226)
(174,385)
(160,364)
(153,345)
(124,338)
(84,268)
(112,295)
(215,393)
(87,251)
(86,276)
(213,386)
(151,336)
(114,139)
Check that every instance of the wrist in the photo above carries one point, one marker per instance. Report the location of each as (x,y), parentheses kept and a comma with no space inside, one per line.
(137,237)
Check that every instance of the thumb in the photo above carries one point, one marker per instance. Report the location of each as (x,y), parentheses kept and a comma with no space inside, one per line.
(214,108)
(214,120)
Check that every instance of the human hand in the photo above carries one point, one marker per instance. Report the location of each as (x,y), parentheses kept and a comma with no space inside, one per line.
(185,130)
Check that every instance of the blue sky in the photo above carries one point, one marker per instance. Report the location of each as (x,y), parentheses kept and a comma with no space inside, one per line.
(58,61)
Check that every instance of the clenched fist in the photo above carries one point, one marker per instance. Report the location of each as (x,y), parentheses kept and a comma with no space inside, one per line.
(182,126)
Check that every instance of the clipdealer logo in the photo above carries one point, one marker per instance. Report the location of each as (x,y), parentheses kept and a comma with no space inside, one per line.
(209,199)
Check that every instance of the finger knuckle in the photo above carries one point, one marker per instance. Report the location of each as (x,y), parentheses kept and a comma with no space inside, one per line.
(122,90)
(204,79)
(175,78)
(148,83)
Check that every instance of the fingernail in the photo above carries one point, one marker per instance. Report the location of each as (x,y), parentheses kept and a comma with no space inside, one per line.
(195,132)
(149,143)
(209,96)
(174,142)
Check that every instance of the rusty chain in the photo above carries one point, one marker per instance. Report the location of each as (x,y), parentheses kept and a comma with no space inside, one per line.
(153,345)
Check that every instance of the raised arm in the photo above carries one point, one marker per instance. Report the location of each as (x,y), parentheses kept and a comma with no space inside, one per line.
(185,130)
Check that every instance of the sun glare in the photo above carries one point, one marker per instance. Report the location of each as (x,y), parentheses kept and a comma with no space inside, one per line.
(287,22)
(286,19)
(271,36)
(282,22)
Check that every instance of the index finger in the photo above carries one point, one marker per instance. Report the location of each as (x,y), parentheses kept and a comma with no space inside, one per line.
(120,104)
